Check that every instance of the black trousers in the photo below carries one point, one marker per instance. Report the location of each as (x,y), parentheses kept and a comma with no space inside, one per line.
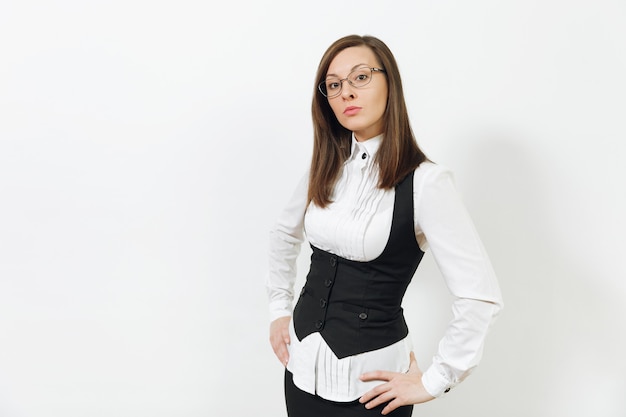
(303,404)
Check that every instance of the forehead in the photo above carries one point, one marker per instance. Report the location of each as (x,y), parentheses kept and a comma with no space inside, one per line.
(346,60)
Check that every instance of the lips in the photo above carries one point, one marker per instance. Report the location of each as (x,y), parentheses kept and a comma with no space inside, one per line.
(351,110)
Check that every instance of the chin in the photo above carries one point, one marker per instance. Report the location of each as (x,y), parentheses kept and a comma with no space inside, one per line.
(353,127)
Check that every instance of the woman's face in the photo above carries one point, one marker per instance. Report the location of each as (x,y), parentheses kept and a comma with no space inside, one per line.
(361,109)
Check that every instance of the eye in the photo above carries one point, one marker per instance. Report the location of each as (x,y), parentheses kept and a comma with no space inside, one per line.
(332,85)
(360,77)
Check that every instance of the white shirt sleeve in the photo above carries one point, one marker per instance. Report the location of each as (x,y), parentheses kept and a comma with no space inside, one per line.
(444,226)
(284,247)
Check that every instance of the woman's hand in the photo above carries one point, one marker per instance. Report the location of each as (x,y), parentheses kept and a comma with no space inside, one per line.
(279,338)
(400,389)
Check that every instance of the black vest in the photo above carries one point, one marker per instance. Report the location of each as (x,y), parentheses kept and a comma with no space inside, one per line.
(356,306)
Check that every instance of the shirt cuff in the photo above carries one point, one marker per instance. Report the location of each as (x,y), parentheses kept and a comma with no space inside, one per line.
(280,308)
(435,383)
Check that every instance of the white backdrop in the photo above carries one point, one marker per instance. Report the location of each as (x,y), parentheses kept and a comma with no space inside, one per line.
(146,148)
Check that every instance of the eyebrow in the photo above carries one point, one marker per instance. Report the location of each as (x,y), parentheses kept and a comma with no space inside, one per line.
(352,69)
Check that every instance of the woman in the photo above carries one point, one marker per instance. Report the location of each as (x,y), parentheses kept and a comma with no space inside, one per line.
(371,204)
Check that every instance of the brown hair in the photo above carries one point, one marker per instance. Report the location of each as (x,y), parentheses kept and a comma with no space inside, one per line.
(398,154)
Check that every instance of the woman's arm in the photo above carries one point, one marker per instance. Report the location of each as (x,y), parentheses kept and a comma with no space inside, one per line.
(284,247)
(443,222)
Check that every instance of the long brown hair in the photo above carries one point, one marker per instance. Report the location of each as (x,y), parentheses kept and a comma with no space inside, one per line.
(398,154)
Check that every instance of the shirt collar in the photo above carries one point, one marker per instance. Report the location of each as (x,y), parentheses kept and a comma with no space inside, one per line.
(368,147)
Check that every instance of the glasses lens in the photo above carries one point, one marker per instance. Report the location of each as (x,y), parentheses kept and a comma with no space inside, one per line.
(330,87)
(360,77)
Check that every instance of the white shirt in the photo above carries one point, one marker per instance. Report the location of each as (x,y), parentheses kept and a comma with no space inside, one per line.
(356,226)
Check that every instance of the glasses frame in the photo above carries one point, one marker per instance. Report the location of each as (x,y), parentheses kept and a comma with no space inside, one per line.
(320,86)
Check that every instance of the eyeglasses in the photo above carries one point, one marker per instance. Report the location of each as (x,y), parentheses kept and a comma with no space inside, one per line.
(360,77)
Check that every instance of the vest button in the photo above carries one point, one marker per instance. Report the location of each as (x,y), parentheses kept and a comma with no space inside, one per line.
(363,316)
(318,324)
(328,282)
(333,261)
(322,303)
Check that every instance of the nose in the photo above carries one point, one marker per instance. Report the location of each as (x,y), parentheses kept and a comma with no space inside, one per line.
(347,90)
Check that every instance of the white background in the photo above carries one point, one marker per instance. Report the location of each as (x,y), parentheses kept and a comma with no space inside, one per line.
(146,148)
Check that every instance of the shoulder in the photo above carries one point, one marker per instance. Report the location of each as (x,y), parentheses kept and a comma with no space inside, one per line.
(430,173)
(434,184)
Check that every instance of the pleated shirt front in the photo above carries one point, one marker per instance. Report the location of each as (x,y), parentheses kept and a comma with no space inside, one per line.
(355,226)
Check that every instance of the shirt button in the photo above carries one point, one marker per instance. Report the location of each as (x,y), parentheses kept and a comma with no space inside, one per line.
(363,316)
(364,155)
(318,324)
(328,282)
(447,390)
(322,303)
(333,261)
